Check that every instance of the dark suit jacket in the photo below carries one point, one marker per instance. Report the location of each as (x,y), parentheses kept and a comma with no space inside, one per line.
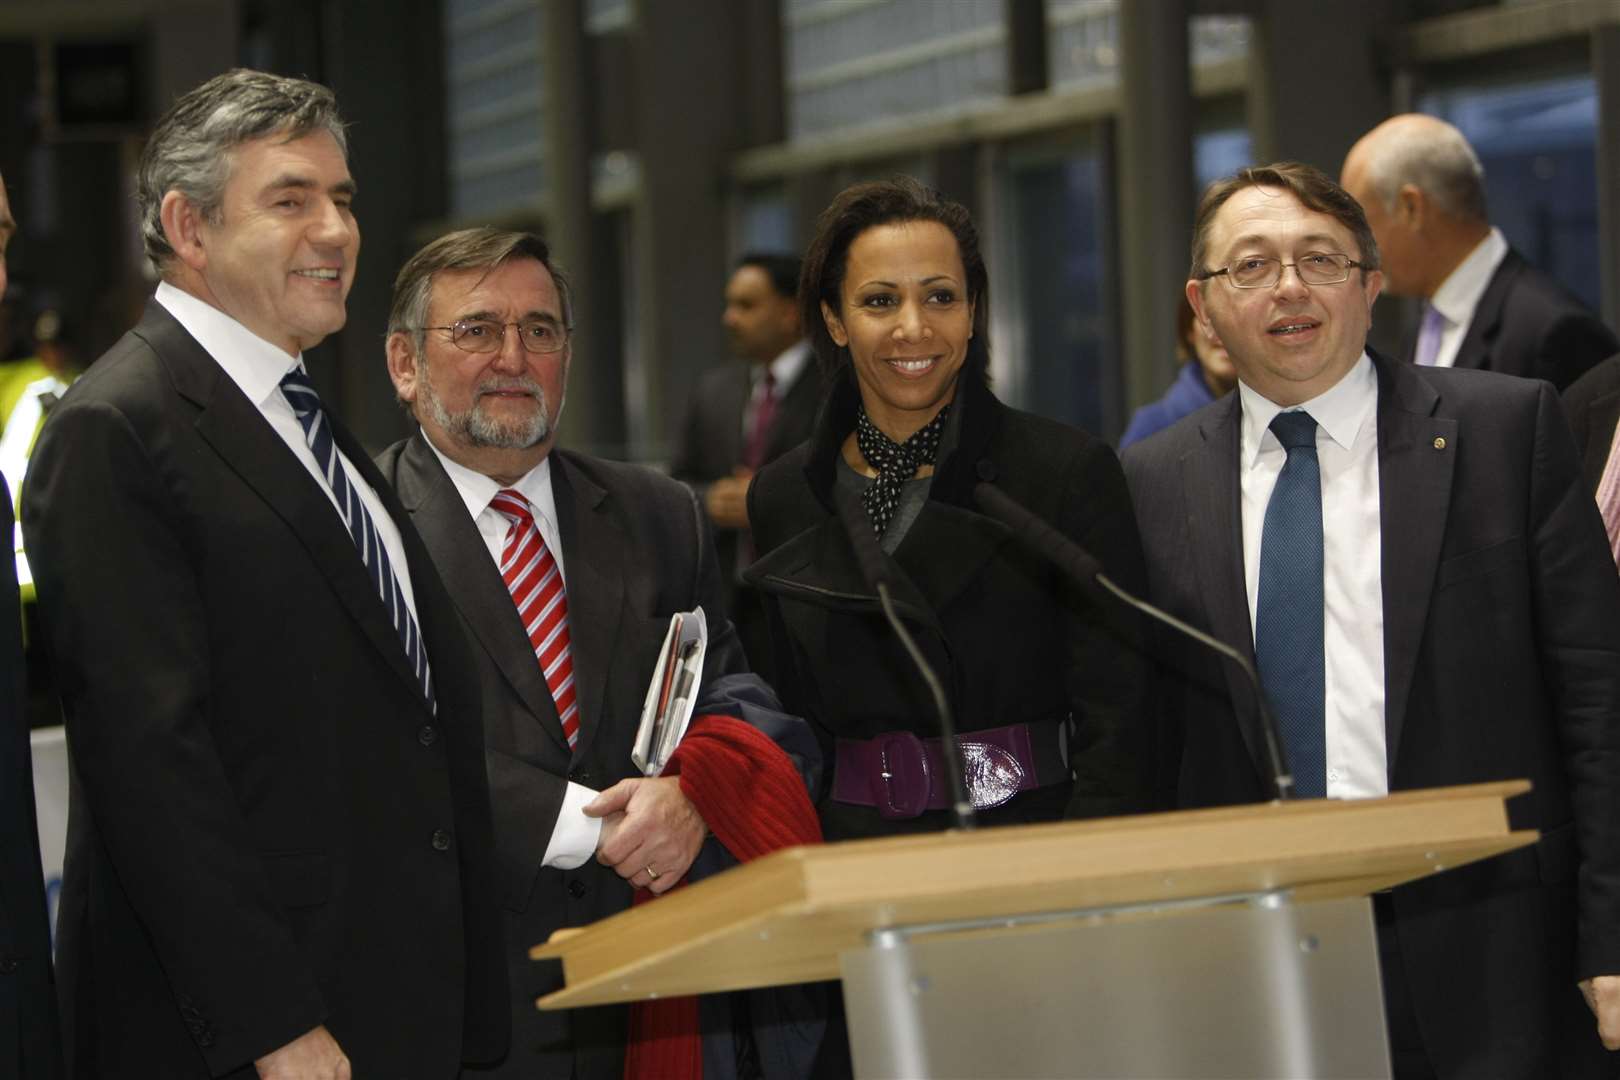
(636,550)
(1012,641)
(268,829)
(711,448)
(1528,324)
(30,1046)
(1502,659)
(1593,404)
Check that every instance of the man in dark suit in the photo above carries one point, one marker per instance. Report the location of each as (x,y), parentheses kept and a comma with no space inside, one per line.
(744,416)
(1484,306)
(29,1046)
(478,349)
(279,853)
(1423,581)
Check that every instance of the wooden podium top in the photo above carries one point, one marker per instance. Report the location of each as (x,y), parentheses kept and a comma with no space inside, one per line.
(786,917)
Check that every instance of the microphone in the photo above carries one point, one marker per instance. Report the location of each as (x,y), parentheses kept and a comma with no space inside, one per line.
(1080,565)
(874,568)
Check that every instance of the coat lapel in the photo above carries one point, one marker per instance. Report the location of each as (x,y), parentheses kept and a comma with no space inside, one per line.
(595,561)
(237,431)
(1483,329)
(1211,492)
(440,516)
(1414,488)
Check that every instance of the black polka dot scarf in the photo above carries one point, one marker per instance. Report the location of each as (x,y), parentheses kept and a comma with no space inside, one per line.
(895,462)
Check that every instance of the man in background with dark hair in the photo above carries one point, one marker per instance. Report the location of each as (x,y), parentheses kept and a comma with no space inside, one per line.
(743,416)
(279,845)
(1484,305)
(29,1049)
(1423,581)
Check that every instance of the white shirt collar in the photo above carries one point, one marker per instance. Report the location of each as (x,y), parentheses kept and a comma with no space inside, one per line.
(476,489)
(254,365)
(1459,294)
(1341,411)
(787,366)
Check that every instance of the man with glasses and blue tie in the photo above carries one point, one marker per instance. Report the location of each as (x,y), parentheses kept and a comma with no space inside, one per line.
(1426,586)
(279,853)
(566,570)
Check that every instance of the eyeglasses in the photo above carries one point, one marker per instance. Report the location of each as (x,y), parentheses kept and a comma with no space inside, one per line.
(487,335)
(1313,268)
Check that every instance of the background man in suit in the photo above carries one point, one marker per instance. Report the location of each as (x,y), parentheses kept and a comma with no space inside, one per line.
(1424,584)
(478,349)
(279,845)
(1593,404)
(742,417)
(1423,191)
(29,1047)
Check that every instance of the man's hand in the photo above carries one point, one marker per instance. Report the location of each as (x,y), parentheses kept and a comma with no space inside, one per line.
(727,500)
(1603,998)
(314,1055)
(654,837)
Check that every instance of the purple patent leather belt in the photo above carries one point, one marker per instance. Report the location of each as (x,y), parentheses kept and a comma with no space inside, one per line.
(903,775)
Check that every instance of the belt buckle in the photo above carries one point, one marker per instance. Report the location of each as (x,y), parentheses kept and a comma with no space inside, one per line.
(905,776)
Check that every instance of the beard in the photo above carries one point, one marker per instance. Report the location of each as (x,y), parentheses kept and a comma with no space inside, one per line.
(476,427)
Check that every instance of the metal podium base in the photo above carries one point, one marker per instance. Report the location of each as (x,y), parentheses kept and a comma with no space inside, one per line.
(1248,988)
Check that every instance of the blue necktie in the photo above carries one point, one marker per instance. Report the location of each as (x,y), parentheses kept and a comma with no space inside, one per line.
(306,405)
(1288,644)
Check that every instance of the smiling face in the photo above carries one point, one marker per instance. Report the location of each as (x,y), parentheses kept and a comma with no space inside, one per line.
(905,319)
(281,257)
(494,412)
(1293,341)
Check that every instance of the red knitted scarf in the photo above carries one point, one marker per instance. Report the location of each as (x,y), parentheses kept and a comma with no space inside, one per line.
(750,796)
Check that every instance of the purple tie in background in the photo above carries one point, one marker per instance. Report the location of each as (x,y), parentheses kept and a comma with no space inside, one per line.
(1428,342)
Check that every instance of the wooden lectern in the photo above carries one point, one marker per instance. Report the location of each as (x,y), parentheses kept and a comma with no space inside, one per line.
(1233,942)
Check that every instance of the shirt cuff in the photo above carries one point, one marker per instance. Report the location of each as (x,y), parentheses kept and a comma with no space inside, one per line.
(575,836)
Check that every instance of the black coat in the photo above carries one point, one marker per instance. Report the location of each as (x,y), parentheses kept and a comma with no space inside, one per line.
(1593,405)
(30,1047)
(1501,621)
(268,829)
(1013,641)
(1528,324)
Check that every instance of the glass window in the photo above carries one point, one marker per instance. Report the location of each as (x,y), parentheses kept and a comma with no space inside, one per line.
(764,221)
(1538,142)
(1057,343)
(493,106)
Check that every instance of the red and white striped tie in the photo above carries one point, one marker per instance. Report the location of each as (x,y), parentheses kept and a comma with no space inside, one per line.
(536,585)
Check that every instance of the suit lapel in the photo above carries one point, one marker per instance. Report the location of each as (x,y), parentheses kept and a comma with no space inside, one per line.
(595,561)
(1414,490)
(1601,417)
(440,516)
(1480,339)
(1210,477)
(237,431)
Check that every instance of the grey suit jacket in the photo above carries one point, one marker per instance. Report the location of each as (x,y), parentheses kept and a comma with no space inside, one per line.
(1502,659)
(636,549)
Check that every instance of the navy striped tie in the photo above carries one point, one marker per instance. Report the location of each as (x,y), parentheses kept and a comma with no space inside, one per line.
(306,405)
(1288,634)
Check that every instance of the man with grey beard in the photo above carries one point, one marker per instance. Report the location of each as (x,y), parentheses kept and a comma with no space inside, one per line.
(566,570)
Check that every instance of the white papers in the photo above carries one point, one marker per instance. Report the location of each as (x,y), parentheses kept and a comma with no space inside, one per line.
(672,694)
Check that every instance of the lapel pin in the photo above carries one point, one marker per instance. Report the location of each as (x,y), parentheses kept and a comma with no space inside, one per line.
(1439,442)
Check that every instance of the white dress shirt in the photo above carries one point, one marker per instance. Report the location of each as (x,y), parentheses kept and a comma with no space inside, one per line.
(574,838)
(785,371)
(1459,295)
(1352,570)
(257,368)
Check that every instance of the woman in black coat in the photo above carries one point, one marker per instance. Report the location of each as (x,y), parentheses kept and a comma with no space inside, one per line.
(1046,684)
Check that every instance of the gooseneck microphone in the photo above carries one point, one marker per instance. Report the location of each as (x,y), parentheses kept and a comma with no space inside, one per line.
(1078,563)
(876,572)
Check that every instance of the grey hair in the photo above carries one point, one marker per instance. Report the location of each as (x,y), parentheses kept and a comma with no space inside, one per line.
(466,249)
(1436,159)
(192,148)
